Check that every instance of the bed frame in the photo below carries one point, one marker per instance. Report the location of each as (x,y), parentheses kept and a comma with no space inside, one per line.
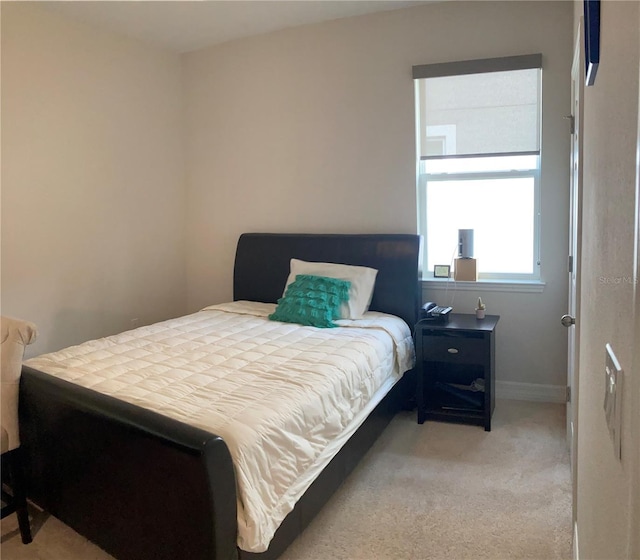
(143,486)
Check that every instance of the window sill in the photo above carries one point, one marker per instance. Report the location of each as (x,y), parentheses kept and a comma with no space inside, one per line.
(523,286)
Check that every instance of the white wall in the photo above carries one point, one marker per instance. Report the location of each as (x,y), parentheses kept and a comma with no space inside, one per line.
(608,490)
(92,179)
(312,129)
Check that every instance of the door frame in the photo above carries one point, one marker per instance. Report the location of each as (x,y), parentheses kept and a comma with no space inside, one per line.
(574,268)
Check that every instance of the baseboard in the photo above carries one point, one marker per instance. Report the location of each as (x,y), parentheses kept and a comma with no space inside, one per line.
(576,553)
(531,392)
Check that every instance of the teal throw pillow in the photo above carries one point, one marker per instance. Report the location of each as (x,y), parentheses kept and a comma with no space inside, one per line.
(312,300)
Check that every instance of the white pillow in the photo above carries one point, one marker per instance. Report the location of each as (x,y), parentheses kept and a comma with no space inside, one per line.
(362,281)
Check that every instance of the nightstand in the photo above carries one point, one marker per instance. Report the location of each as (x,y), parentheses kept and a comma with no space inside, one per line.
(455,364)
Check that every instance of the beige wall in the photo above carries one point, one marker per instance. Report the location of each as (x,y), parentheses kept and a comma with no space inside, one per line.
(308,129)
(312,129)
(92,179)
(607,491)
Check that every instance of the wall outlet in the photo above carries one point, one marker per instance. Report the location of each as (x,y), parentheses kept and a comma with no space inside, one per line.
(614,378)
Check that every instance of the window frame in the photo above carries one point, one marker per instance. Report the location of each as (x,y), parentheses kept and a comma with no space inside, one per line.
(424,177)
(503,64)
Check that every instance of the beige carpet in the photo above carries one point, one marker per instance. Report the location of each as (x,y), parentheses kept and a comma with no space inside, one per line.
(436,491)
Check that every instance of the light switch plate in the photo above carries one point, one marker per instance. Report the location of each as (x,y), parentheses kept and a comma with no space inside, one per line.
(614,379)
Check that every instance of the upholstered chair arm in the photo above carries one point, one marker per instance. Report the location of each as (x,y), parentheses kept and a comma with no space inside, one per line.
(15,335)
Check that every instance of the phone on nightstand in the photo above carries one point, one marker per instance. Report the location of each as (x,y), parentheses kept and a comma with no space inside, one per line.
(432,312)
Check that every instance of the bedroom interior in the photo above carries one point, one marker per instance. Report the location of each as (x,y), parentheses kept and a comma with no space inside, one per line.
(129,171)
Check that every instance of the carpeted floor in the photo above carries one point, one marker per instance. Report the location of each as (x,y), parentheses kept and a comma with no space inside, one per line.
(430,492)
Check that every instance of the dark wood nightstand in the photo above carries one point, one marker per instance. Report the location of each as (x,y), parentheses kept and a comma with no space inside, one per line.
(455,364)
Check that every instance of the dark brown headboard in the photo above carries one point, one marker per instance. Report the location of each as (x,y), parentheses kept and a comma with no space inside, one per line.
(262,265)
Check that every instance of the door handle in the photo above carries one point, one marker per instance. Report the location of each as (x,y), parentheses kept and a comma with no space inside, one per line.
(567,320)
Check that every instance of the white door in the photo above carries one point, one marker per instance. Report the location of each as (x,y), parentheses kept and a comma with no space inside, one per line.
(572,318)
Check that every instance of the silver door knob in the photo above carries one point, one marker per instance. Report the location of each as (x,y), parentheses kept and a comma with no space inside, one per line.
(567,320)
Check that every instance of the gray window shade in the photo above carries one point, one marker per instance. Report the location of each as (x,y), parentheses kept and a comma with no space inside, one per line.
(488,112)
(479,66)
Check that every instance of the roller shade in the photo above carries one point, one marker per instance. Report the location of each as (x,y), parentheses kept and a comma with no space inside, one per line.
(481,110)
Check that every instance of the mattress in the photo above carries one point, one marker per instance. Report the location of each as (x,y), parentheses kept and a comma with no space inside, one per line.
(283,397)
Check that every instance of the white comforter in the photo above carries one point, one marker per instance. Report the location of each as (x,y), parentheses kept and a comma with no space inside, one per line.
(284,397)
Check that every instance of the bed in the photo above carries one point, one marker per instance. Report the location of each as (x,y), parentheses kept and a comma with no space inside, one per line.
(144,482)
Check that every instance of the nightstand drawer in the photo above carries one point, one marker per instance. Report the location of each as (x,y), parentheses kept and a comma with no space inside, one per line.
(454,349)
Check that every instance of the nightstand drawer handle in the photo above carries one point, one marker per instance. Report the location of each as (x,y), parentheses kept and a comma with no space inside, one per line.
(452,350)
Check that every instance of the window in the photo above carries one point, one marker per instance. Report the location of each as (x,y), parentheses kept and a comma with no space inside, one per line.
(478,136)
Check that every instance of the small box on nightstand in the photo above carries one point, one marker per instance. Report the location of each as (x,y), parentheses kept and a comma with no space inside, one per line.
(466,270)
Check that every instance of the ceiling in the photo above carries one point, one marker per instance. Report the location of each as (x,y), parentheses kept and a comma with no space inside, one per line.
(186,25)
